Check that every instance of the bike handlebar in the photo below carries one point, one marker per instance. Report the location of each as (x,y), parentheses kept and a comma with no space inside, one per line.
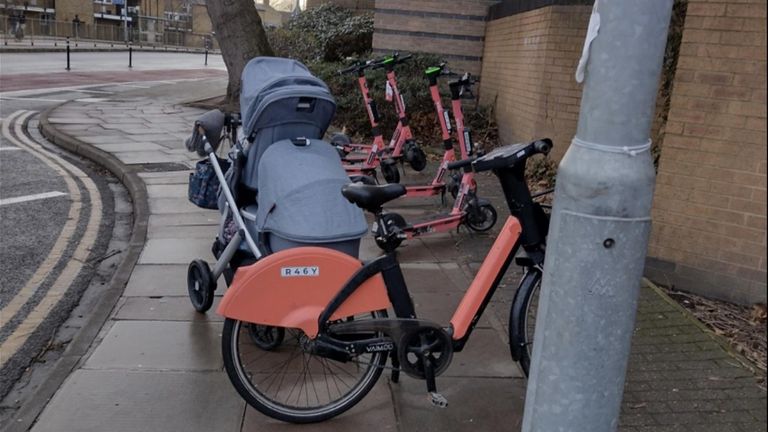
(460,164)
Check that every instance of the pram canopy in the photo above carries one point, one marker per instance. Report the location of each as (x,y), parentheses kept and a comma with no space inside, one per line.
(280,99)
(300,195)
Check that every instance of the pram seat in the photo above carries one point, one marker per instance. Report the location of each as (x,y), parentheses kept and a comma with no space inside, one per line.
(300,200)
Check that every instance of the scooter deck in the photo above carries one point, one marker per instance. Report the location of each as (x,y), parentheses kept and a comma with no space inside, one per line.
(424,190)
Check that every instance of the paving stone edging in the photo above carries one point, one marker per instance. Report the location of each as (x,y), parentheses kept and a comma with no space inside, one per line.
(720,340)
(79,345)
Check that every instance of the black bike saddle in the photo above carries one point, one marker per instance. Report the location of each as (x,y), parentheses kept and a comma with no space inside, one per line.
(371,198)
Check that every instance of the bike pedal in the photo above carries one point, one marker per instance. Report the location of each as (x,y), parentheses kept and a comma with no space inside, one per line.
(438,400)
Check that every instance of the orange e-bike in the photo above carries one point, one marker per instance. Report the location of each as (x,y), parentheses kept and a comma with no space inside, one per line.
(333,309)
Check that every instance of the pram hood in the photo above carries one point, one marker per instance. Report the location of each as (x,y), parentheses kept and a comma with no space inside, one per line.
(277,91)
(300,195)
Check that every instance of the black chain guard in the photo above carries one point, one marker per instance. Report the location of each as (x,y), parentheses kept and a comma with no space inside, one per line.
(407,335)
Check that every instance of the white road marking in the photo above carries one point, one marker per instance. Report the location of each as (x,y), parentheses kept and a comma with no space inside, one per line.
(73,265)
(132,85)
(9,148)
(33,197)
(31,99)
(93,91)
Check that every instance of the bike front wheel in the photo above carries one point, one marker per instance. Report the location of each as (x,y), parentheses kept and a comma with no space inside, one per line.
(291,384)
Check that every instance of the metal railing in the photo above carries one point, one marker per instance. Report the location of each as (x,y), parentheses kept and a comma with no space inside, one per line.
(150,31)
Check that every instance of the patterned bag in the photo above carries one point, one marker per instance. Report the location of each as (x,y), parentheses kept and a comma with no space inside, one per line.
(204,185)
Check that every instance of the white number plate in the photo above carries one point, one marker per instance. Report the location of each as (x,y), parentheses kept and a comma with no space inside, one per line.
(312,271)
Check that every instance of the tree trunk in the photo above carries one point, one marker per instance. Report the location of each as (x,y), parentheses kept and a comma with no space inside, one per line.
(241,37)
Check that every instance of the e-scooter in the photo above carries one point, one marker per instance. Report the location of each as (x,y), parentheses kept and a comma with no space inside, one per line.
(401,146)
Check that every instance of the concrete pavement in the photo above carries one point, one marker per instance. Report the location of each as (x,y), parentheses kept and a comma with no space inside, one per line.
(156,364)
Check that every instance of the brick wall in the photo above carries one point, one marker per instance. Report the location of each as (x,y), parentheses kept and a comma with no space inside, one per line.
(67,9)
(528,73)
(709,232)
(452,29)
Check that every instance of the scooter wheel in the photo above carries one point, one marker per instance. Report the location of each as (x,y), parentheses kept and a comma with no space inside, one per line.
(201,285)
(418,159)
(481,219)
(392,221)
(390,171)
(266,337)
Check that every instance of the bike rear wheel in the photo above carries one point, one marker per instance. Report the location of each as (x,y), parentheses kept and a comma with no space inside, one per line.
(291,384)
(522,319)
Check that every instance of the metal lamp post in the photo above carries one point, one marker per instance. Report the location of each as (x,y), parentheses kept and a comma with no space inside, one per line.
(600,226)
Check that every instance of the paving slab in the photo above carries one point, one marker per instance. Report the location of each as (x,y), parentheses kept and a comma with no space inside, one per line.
(149,280)
(439,306)
(474,404)
(374,413)
(175,251)
(205,232)
(169,178)
(176,205)
(431,281)
(130,147)
(164,309)
(159,345)
(167,190)
(129,401)
(102,139)
(147,157)
(184,219)
(485,355)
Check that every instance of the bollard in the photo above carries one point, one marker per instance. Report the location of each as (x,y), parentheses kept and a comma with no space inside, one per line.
(130,55)
(67,52)
(600,226)
(206,56)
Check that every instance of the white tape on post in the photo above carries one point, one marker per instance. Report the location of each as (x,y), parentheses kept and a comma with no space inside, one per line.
(592,30)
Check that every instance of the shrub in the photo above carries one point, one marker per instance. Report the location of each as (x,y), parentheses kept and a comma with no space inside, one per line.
(411,82)
(328,33)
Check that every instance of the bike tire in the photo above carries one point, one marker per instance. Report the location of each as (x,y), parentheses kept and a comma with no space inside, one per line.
(284,410)
(522,319)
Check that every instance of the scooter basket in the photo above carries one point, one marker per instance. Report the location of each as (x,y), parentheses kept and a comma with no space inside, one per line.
(204,185)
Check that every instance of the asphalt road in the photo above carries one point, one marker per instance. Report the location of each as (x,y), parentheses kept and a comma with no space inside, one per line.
(56,209)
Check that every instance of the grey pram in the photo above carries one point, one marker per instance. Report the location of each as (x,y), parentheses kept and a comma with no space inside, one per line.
(283,188)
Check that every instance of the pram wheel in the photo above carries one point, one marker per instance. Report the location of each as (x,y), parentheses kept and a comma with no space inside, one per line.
(390,172)
(200,284)
(266,337)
